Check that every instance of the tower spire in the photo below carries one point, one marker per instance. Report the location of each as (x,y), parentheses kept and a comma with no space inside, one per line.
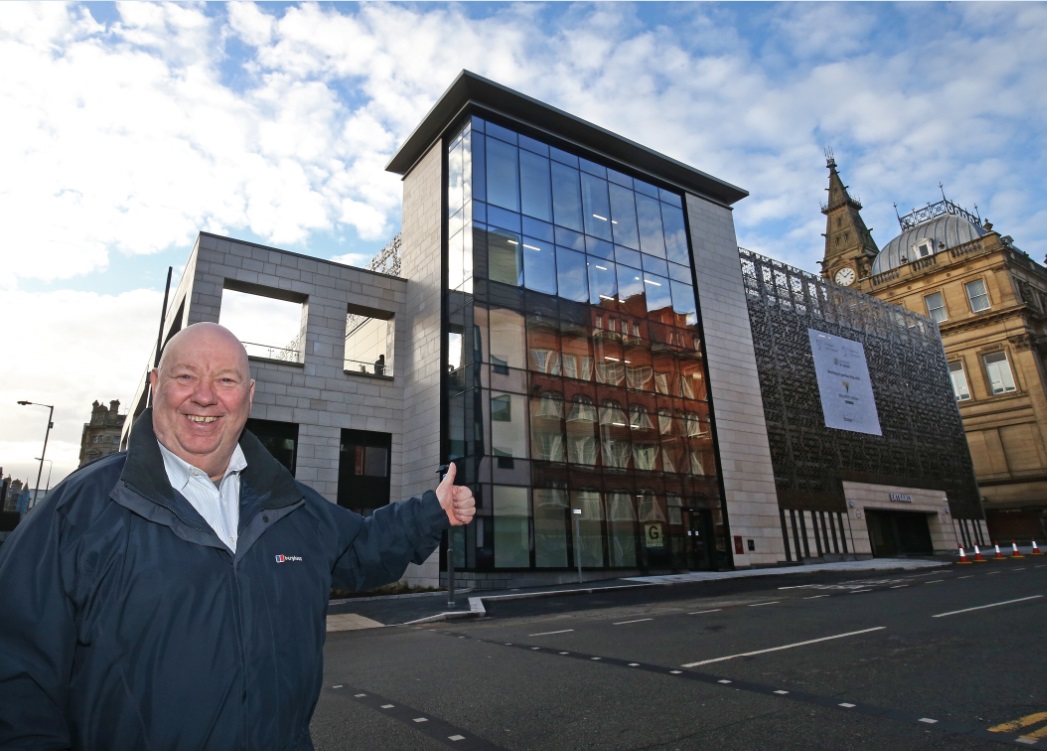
(848,242)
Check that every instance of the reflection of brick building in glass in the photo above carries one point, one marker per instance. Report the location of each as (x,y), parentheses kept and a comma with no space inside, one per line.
(585,386)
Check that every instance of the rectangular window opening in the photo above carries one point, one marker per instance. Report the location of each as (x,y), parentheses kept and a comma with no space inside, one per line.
(270,323)
(369,340)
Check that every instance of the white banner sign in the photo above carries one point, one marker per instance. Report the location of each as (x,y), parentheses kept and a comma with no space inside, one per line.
(844,384)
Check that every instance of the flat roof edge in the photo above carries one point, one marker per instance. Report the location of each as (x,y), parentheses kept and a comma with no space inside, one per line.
(471,90)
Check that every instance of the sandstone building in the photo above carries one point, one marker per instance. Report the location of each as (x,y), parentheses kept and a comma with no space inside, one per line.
(989,299)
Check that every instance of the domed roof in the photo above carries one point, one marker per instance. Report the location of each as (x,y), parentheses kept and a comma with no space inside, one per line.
(941,232)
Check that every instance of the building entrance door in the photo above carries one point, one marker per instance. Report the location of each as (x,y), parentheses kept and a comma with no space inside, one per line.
(701,541)
(898,533)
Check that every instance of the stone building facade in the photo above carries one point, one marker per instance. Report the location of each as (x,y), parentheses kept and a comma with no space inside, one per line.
(989,300)
(101,436)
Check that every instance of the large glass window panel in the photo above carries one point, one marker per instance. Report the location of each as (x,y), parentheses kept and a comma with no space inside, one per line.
(503,219)
(673,199)
(508,343)
(563,157)
(680,273)
(977,295)
(503,175)
(467,262)
(456,177)
(616,453)
(532,145)
(509,425)
(504,258)
(631,290)
(664,372)
(535,186)
(645,188)
(582,410)
(581,449)
(657,290)
(692,380)
(650,215)
(512,548)
(599,248)
(479,170)
(702,461)
(456,260)
(548,406)
(544,360)
(603,282)
(675,235)
(674,456)
(619,178)
(592,168)
(589,546)
(612,414)
(959,381)
(541,230)
(497,131)
(610,373)
(548,445)
(572,278)
(621,529)
(1001,379)
(640,418)
(652,508)
(547,432)
(550,528)
(567,238)
(596,207)
(539,259)
(623,217)
(656,266)
(639,377)
(935,307)
(567,197)
(683,301)
(645,456)
(628,257)
(501,408)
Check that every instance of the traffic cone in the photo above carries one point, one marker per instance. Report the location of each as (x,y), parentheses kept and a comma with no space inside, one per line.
(999,555)
(963,556)
(978,557)
(1035,549)
(1015,554)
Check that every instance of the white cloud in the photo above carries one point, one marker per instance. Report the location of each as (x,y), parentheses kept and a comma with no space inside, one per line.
(68,349)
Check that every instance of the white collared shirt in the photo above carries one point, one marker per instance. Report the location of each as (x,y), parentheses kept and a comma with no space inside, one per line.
(219,506)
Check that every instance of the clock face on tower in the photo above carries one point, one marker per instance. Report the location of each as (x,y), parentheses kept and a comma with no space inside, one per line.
(845,277)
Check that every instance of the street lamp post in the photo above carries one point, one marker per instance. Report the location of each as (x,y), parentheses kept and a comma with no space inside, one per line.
(43,453)
(50,467)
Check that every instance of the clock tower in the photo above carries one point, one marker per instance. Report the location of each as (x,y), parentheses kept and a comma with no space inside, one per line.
(849,247)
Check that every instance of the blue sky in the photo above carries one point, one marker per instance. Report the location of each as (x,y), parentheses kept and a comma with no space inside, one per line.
(129,128)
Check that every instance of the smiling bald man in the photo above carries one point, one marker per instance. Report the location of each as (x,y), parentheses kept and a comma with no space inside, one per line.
(174,596)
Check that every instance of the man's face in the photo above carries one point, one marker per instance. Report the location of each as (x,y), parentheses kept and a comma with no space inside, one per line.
(202,394)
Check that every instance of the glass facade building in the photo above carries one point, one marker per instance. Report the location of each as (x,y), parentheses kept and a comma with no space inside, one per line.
(576,393)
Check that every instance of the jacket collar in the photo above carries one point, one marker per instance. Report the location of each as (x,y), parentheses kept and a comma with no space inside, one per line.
(144,470)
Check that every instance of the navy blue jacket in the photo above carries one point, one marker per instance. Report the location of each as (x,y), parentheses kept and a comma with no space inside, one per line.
(126,625)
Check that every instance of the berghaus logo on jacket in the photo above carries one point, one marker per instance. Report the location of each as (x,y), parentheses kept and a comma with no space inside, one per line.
(288,558)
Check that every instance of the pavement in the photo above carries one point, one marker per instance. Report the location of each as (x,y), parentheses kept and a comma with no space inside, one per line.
(414,609)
